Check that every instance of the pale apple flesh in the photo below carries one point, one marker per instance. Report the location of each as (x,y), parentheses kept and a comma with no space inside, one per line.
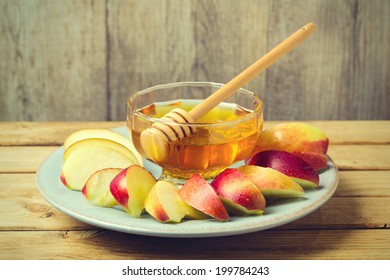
(100,142)
(165,205)
(199,194)
(294,167)
(272,183)
(139,183)
(81,164)
(103,133)
(239,195)
(131,187)
(97,188)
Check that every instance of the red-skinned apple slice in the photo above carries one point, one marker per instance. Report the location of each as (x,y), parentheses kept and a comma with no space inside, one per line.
(272,183)
(318,161)
(131,188)
(97,188)
(239,195)
(199,194)
(294,167)
(165,205)
(118,188)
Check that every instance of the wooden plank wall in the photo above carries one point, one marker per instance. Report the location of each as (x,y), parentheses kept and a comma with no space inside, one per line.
(80,60)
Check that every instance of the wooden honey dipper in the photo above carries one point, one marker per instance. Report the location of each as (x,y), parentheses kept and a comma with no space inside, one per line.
(155,140)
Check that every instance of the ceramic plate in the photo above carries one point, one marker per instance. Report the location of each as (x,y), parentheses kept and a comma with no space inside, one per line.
(75,205)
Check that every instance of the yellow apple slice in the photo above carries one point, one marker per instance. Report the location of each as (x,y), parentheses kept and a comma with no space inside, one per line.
(271,182)
(81,164)
(100,142)
(97,188)
(105,134)
(162,203)
(139,182)
(130,188)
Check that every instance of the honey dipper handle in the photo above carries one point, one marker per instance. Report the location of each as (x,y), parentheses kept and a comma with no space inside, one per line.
(249,73)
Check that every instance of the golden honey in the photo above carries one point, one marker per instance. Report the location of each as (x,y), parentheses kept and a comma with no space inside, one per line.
(225,135)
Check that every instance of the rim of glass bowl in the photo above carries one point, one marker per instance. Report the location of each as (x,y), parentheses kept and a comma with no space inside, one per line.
(257,110)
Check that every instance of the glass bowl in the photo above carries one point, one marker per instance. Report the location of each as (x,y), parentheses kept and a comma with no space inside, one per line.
(225,135)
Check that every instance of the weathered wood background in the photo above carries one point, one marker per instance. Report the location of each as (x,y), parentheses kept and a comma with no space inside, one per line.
(81,60)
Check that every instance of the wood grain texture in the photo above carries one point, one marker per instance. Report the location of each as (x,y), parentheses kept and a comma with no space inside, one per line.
(54,133)
(371,89)
(187,40)
(53,60)
(24,159)
(271,244)
(314,77)
(81,60)
(353,224)
(361,157)
(44,133)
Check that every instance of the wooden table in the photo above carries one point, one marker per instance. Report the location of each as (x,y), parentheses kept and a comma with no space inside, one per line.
(353,224)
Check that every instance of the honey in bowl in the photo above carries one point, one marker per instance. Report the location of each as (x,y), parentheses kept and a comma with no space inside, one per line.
(225,135)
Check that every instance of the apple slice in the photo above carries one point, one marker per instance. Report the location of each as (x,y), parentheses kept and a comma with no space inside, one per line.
(104,134)
(97,188)
(81,164)
(118,188)
(294,167)
(131,187)
(272,183)
(100,142)
(239,195)
(301,139)
(317,160)
(165,205)
(199,194)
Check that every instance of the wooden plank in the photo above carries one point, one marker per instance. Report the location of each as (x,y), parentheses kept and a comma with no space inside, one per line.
(230,36)
(153,46)
(53,60)
(45,133)
(271,244)
(313,81)
(344,213)
(363,184)
(27,209)
(361,157)
(80,60)
(190,40)
(362,200)
(23,159)
(371,53)
(54,133)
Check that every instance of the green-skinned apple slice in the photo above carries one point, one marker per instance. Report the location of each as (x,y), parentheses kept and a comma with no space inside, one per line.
(272,183)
